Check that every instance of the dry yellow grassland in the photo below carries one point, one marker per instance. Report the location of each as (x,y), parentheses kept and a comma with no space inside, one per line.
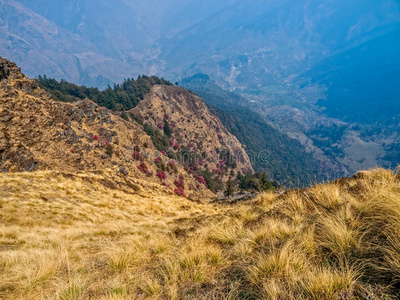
(69,236)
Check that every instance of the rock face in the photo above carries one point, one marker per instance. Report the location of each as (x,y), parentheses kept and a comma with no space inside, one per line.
(38,133)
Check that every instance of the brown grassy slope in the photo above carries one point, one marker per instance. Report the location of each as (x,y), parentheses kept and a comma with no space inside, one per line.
(37,133)
(65,236)
(193,125)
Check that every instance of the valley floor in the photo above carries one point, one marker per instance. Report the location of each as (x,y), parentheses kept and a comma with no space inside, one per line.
(76,236)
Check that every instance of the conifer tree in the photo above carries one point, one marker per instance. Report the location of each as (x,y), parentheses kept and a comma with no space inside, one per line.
(167,129)
(229,188)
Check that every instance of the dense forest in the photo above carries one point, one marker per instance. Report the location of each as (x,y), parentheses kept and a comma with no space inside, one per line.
(121,97)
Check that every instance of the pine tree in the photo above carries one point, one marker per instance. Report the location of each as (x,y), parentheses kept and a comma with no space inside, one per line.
(167,129)
(124,116)
(264,184)
(229,188)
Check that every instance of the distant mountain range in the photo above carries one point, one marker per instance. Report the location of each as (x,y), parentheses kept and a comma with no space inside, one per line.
(241,44)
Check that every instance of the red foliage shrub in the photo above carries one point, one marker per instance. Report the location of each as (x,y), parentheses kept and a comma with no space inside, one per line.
(181,182)
(177,183)
(95,137)
(217,171)
(161,175)
(180,192)
(201,180)
(143,167)
(137,156)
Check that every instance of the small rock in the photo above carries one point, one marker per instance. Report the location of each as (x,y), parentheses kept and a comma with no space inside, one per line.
(123,171)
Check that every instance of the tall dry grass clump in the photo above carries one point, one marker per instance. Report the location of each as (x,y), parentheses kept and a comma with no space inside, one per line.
(69,237)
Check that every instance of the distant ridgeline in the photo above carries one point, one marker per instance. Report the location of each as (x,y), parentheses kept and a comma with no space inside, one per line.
(121,97)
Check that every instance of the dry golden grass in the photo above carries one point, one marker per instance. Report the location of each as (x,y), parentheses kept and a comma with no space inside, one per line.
(70,237)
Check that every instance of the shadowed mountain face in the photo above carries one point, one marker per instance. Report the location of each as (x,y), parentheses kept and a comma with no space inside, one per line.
(76,40)
(362,82)
(92,44)
(256,42)
(241,44)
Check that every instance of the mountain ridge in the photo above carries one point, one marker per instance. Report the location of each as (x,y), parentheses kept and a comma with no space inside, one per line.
(41,134)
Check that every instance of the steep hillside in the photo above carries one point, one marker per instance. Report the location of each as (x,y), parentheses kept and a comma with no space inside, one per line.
(39,133)
(67,236)
(194,132)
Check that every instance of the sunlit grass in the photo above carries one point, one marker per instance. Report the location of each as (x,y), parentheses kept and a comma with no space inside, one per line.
(72,238)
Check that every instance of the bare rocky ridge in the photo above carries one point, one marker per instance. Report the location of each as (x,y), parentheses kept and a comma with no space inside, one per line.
(38,133)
